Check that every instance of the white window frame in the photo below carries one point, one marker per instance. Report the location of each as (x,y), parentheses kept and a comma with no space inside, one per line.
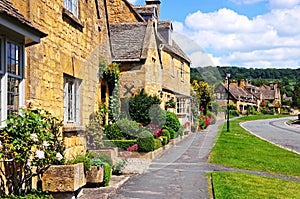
(72,114)
(4,75)
(181,105)
(72,6)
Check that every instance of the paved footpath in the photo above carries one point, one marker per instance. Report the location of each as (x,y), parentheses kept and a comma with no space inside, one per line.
(179,173)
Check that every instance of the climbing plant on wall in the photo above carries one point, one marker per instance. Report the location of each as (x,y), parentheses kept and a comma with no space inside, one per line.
(112,75)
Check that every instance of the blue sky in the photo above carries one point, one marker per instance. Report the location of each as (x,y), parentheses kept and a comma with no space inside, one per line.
(249,33)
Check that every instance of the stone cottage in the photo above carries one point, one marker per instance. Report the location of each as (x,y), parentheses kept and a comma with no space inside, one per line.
(148,56)
(60,73)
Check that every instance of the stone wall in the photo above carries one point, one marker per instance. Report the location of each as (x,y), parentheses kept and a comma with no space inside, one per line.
(74,46)
(120,11)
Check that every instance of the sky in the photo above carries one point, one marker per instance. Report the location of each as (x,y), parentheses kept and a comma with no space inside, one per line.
(246,33)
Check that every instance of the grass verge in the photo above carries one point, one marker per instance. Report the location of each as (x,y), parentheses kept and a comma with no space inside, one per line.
(240,149)
(242,185)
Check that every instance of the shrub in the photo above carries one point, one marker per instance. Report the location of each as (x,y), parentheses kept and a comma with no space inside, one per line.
(140,105)
(106,174)
(35,194)
(118,168)
(167,134)
(97,162)
(122,130)
(103,157)
(145,142)
(157,143)
(173,134)
(164,140)
(157,115)
(172,121)
(82,158)
(122,144)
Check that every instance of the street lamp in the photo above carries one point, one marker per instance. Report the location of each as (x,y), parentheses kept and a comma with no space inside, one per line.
(227,77)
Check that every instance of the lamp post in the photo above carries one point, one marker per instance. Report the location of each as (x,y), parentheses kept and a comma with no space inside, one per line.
(227,77)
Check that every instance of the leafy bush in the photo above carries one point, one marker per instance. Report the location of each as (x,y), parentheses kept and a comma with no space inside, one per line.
(103,157)
(164,140)
(122,130)
(140,105)
(122,144)
(106,174)
(157,115)
(173,134)
(31,137)
(157,143)
(167,134)
(180,130)
(35,194)
(82,158)
(97,162)
(145,142)
(118,168)
(172,121)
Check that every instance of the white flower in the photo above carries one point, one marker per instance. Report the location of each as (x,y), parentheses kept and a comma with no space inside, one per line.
(34,137)
(59,157)
(45,143)
(1,144)
(40,154)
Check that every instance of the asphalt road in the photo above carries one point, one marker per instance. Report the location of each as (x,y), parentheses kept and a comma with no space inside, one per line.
(277,132)
(180,173)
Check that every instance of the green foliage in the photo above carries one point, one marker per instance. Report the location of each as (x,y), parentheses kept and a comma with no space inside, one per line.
(164,140)
(31,137)
(202,93)
(123,129)
(94,130)
(97,162)
(157,115)
(102,157)
(173,134)
(140,105)
(172,121)
(122,144)
(145,142)
(157,143)
(106,174)
(84,158)
(296,95)
(35,194)
(118,168)
(167,134)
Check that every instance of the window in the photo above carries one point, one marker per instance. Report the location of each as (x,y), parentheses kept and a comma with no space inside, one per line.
(71,100)
(11,77)
(182,71)
(72,6)
(172,68)
(181,105)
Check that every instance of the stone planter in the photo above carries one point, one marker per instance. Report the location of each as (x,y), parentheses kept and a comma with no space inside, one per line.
(64,178)
(94,175)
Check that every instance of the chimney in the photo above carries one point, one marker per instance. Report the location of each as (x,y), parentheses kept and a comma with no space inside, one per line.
(157,4)
(234,83)
(242,84)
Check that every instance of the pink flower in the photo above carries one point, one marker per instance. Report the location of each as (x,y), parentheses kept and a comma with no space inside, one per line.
(40,154)
(45,143)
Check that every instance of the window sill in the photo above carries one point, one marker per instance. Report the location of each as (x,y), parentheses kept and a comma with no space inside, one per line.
(71,19)
(73,129)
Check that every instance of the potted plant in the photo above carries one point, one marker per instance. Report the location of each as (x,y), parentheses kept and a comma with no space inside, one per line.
(94,176)
(170,104)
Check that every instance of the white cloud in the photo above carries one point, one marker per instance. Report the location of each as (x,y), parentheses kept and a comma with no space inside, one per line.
(246,1)
(272,39)
(279,4)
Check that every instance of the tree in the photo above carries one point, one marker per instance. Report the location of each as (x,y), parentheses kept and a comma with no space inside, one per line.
(296,95)
(202,93)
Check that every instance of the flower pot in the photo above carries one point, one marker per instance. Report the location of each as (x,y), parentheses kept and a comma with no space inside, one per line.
(64,178)
(94,175)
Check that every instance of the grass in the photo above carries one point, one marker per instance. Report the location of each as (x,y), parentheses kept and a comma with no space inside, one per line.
(240,185)
(240,149)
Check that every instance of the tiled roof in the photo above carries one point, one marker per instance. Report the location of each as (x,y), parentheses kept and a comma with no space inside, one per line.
(165,25)
(127,40)
(7,9)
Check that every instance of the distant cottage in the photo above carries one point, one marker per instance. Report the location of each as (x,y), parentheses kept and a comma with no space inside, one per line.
(243,95)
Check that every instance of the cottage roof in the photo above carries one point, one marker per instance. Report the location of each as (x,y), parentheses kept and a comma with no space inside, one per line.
(147,9)
(165,25)
(127,41)
(8,11)
(173,49)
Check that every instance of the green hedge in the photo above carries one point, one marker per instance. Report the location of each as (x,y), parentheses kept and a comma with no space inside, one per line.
(165,140)
(173,134)
(122,144)
(106,174)
(145,142)
(167,134)
(157,143)
(122,130)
